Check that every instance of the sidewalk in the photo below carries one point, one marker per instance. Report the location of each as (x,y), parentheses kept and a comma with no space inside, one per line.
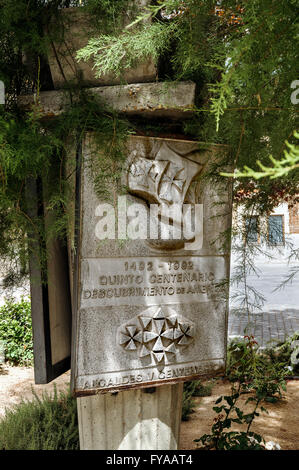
(273,325)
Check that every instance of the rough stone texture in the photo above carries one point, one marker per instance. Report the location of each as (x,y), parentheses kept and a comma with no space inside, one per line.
(77,30)
(171,100)
(148,313)
(131,420)
(216,200)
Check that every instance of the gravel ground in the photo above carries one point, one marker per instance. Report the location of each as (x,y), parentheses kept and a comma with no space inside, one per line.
(281,425)
(17,383)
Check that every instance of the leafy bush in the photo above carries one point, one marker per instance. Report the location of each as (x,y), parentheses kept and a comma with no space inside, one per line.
(49,423)
(16,332)
(286,353)
(192,389)
(203,389)
(256,370)
(188,402)
(250,371)
(221,438)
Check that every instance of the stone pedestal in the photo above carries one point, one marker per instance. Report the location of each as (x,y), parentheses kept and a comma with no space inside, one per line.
(143,419)
(149,310)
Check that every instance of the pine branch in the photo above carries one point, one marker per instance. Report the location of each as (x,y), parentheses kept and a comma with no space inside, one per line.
(279,169)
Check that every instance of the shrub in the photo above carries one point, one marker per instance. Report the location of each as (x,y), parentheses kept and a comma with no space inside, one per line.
(188,402)
(249,371)
(286,353)
(228,413)
(256,370)
(203,389)
(16,332)
(192,389)
(49,423)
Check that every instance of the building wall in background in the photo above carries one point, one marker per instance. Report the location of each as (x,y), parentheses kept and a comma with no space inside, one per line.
(278,246)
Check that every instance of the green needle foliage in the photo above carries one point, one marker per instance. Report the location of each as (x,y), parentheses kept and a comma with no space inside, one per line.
(49,423)
(126,50)
(243,57)
(30,148)
(33,149)
(280,167)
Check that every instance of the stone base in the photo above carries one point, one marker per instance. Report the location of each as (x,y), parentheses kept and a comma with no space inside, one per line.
(146,419)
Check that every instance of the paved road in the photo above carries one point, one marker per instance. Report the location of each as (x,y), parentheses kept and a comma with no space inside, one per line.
(267,327)
(279,316)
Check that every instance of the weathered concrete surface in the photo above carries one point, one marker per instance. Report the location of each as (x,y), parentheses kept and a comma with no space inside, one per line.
(167,100)
(174,329)
(149,315)
(78,28)
(131,420)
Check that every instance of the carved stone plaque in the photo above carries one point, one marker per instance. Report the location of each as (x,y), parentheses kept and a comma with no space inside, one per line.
(152,270)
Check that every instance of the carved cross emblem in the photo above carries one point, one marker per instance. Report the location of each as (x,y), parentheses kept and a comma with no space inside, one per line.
(173,178)
(165,179)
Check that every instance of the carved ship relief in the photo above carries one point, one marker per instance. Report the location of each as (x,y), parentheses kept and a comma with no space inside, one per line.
(168,180)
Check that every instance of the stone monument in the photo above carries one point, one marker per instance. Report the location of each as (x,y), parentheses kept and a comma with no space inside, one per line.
(151,306)
(148,277)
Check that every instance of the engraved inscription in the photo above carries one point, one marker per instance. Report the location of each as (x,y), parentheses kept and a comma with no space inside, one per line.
(170,372)
(150,281)
(151,308)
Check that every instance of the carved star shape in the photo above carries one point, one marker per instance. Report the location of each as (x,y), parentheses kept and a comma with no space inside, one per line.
(159,329)
(157,335)
(184,332)
(132,336)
